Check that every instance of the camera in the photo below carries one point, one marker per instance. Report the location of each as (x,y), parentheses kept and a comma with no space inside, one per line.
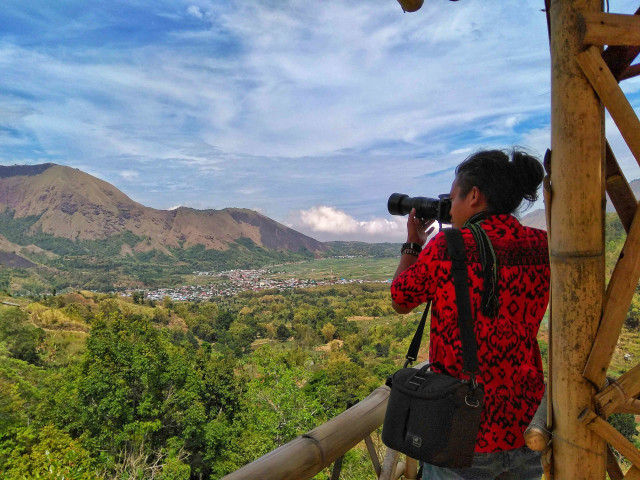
(426,208)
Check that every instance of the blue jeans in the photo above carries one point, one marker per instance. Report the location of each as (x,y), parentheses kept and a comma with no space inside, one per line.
(518,464)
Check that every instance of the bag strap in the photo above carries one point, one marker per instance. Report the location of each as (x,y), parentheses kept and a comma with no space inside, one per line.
(458,256)
(412,353)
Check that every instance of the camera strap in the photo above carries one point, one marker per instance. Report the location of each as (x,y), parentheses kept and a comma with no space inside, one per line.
(489,262)
(458,255)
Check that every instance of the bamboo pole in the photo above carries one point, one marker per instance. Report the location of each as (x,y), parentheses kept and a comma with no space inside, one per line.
(619,190)
(411,472)
(613,468)
(632,405)
(400,468)
(375,461)
(618,58)
(576,243)
(620,290)
(612,436)
(633,474)
(537,435)
(613,97)
(389,465)
(308,454)
(630,72)
(610,29)
(619,392)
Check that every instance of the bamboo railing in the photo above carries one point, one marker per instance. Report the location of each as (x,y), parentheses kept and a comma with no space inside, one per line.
(309,454)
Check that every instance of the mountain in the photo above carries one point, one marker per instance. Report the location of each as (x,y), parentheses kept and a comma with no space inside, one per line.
(49,205)
(537,218)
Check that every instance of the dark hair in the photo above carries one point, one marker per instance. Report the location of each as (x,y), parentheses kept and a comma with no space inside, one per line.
(506,178)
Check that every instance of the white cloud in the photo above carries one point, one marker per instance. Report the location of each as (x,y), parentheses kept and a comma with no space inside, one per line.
(537,140)
(328,219)
(334,223)
(195,11)
(129,174)
(461,151)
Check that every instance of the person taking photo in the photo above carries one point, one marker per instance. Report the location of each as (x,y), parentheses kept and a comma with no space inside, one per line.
(509,276)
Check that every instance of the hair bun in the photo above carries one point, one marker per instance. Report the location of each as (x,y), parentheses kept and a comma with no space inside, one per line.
(527,172)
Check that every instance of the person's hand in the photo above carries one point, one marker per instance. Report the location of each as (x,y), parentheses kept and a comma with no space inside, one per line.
(418,230)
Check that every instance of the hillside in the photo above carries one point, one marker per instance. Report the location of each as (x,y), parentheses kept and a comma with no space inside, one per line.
(68,203)
(536,218)
(61,227)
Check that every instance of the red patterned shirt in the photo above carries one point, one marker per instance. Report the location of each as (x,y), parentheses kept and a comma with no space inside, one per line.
(508,353)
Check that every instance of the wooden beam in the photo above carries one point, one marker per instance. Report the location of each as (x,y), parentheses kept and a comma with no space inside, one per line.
(630,72)
(633,474)
(576,242)
(537,435)
(613,467)
(389,465)
(546,459)
(632,405)
(610,29)
(630,382)
(537,438)
(612,96)
(618,58)
(400,468)
(373,454)
(619,392)
(617,299)
(619,190)
(611,436)
(411,472)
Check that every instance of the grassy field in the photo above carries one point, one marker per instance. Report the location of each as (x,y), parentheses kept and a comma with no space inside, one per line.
(362,268)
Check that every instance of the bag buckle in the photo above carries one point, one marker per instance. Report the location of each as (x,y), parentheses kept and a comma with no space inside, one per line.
(470,398)
(414,385)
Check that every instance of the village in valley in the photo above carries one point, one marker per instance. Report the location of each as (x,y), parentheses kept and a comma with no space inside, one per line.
(236,281)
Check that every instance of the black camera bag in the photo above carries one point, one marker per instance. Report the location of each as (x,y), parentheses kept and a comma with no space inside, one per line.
(432,416)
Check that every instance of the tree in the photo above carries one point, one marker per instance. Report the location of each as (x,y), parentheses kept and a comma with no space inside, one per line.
(328,331)
(625,423)
(633,315)
(21,338)
(54,455)
(167,302)
(138,390)
(282,332)
(224,320)
(275,407)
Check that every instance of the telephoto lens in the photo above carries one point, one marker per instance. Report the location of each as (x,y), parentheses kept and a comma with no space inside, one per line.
(426,208)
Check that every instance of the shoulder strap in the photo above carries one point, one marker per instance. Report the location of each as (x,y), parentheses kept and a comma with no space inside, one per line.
(458,256)
(412,353)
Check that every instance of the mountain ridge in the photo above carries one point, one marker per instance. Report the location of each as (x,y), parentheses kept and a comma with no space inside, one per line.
(537,218)
(68,203)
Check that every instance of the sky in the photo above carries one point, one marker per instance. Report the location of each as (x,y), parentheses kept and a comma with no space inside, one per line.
(311,113)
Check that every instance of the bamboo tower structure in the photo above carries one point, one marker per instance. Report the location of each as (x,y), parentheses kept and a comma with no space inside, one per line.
(586,317)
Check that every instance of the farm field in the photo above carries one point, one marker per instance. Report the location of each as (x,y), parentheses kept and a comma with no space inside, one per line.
(365,268)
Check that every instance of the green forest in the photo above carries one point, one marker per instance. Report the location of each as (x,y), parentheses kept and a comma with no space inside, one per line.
(99,385)
(96,386)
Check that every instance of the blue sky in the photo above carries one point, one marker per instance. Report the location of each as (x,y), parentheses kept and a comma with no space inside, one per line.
(312,113)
